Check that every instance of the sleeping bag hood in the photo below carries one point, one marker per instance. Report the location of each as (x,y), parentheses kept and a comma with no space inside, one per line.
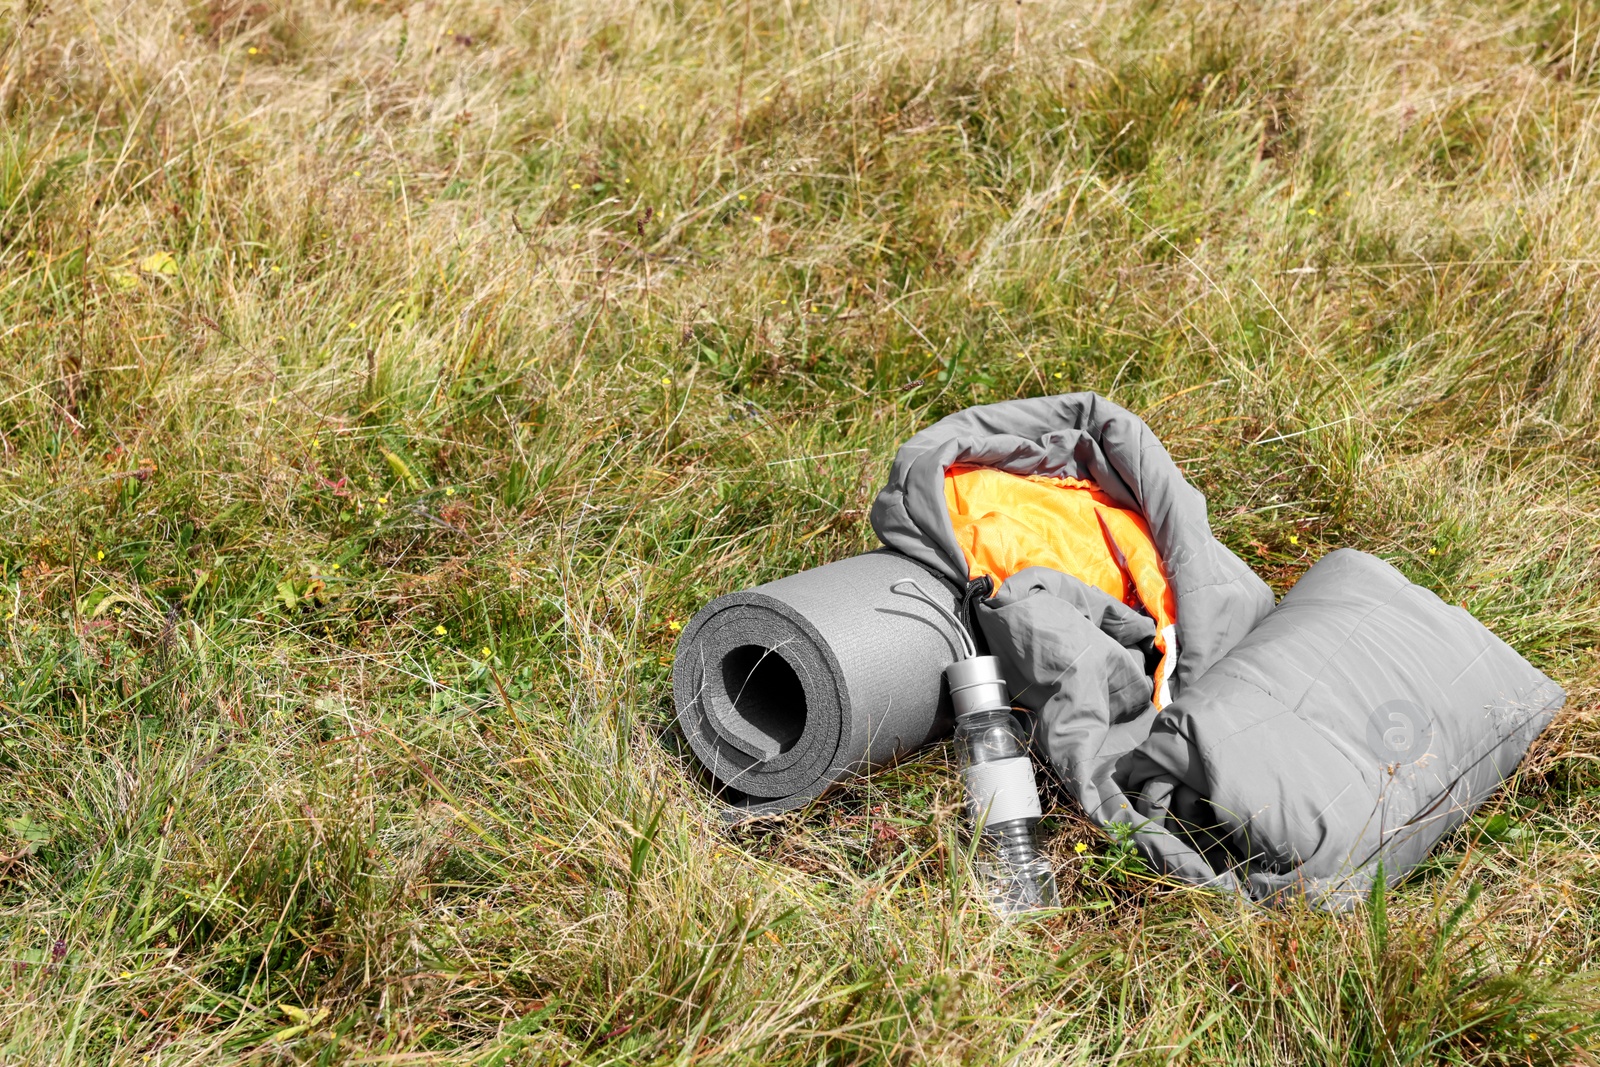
(1081,449)
(1235,753)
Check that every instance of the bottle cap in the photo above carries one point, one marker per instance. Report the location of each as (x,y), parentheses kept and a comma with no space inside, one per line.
(976,685)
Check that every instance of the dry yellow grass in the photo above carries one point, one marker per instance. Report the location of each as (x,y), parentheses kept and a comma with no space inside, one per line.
(384,381)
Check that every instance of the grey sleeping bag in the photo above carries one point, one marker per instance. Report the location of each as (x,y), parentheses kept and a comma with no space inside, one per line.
(1271,770)
(1360,722)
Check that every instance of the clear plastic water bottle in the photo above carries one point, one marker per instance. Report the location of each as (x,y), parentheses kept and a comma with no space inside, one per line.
(1002,797)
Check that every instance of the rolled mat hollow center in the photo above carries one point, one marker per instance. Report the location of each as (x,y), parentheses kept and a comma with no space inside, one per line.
(787,688)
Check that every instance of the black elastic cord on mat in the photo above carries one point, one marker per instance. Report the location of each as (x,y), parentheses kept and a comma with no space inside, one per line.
(976,590)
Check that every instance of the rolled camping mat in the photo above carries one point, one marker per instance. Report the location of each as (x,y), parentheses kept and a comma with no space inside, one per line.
(787,688)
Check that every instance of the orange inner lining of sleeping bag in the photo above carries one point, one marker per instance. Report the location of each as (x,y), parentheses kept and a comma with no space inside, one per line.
(1006,522)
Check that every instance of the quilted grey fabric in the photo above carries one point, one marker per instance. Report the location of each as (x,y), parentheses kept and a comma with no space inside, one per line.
(1363,720)
(1279,766)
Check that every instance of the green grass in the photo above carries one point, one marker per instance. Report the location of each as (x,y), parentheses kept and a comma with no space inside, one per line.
(385,383)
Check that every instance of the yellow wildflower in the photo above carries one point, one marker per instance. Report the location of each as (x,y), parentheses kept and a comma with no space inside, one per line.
(440,630)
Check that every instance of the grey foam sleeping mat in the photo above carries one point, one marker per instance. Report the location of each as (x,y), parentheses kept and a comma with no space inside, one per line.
(788,688)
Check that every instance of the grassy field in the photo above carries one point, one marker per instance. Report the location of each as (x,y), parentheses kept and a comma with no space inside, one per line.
(386,383)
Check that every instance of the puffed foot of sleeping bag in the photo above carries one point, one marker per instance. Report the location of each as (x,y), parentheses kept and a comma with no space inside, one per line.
(1357,724)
